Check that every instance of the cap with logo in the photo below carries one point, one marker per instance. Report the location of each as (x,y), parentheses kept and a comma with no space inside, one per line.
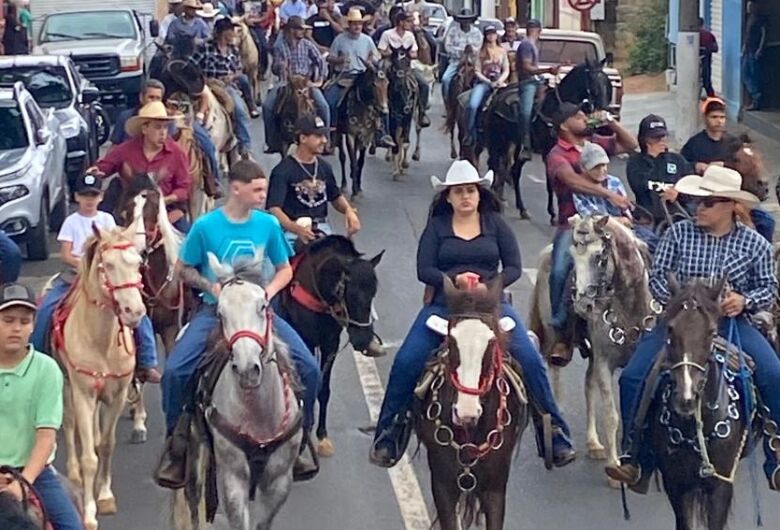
(311,124)
(87,184)
(653,126)
(17,294)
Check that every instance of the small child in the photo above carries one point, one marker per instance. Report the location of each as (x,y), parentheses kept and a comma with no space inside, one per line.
(74,233)
(31,412)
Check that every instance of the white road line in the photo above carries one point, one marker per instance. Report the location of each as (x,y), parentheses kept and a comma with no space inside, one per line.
(407,489)
(534,178)
(531,274)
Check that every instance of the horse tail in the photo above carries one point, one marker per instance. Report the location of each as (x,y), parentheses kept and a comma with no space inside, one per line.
(472,509)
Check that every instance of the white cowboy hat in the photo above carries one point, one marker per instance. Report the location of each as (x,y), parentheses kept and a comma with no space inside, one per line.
(208,11)
(717,181)
(151,111)
(461,172)
(356,15)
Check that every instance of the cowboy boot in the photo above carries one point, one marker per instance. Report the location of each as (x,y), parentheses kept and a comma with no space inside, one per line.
(306,468)
(171,471)
(561,451)
(374,349)
(389,445)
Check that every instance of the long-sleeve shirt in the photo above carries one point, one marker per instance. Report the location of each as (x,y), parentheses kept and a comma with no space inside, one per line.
(214,63)
(742,256)
(170,165)
(441,252)
(594,205)
(456,41)
(649,176)
(187,29)
(301,58)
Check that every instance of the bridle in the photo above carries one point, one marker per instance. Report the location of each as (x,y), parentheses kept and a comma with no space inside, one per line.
(496,363)
(692,305)
(265,341)
(109,287)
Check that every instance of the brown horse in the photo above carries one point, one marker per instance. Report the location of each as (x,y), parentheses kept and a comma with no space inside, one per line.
(472,412)
(462,82)
(294,101)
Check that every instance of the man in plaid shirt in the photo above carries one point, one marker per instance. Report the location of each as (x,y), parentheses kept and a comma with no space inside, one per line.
(714,246)
(294,55)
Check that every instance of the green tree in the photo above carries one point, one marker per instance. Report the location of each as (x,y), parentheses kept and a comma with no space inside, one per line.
(650,51)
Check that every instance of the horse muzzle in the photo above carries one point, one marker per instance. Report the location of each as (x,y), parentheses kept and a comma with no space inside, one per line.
(465,413)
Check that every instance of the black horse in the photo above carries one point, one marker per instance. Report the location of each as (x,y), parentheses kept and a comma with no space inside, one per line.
(333,288)
(586,85)
(403,95)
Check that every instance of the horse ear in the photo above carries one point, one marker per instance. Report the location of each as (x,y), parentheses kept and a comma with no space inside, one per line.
(674,284)
(222,271)
(601,223)
(97,231)
(376,259)
(496,287)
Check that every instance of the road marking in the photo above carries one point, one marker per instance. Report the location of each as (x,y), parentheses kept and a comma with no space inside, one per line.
(405,484)
(534,178)
(531,273)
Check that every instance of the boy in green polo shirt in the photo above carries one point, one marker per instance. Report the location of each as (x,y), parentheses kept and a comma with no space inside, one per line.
(30,408)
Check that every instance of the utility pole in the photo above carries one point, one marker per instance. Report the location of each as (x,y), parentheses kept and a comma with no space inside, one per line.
(688,75)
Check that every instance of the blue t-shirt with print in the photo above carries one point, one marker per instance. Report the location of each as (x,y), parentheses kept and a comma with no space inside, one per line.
(230,241)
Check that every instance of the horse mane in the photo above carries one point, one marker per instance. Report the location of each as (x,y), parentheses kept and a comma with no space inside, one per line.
(631,253)
(337,243)
(698,291)
(464,302)
(246,270)
(12,516)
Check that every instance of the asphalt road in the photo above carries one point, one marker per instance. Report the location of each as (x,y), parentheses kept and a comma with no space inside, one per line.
(351,494)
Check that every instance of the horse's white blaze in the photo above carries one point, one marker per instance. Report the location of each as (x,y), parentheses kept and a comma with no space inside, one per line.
(687,379)
(584,266)
(472,337)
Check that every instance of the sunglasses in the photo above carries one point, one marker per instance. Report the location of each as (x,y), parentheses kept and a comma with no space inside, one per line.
(709,202)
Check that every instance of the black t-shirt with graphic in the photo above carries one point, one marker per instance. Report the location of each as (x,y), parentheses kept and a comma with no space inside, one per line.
(292,188)
(322,30)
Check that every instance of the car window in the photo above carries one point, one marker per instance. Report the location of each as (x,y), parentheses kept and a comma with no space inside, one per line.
(566,51)
(85,25)
(12,124)
(49,85)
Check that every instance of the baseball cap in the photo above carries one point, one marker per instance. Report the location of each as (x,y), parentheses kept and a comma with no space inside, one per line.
(223,24)
(712,104)
(87,184)
(295,22)
(533,23)
(565,111)
(490,28)
(653,126)
(310,124)
(510,21)
(592,155)
(17,294)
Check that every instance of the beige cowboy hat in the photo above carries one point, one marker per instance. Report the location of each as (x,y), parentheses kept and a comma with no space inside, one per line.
(208,11)
(151,111)
(717,181)
(194,4)
(356,15)
(461,172)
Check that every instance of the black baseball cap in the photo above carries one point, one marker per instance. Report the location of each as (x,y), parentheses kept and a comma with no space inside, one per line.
(87,184)
(223,24)
(400,16)
(311,124)
(17,294)
(653,126)
(534,23)
(565,111)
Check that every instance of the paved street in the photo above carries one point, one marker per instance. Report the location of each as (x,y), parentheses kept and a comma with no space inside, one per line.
(349,493)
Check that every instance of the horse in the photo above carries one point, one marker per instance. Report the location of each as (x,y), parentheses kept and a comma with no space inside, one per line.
(461,82)
(332,289)
(99,360)
(403,99)
(741,156)
(294,101)
(701,416)
(15,515)
(250,57)
(611,294)
(251,409)
(471,410)
(357,120)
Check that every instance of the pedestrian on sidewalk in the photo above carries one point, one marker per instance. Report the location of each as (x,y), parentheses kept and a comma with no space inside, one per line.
(752,51)
(708,45)
(709,145)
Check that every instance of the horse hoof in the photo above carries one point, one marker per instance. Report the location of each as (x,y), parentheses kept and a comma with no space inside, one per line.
(90,526)
(524,215)
(397,177)
(372,150)
(597,453)
(138,436)
(325,448)
(106,506)
(614,484)
(453,155)
(405,164)
(416,157)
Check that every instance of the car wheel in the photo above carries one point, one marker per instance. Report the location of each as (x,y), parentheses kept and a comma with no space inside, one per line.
(38,238)
(102,126)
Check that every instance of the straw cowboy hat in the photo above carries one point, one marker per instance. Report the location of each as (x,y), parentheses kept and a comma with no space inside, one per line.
(151,111)
(208,11)
(461,172)
(356,15)
(717,181)
(194,4)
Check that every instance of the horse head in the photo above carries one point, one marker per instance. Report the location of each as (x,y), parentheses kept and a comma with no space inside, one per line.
(587,85)
(692,325)
(741,156)
(245,316)
(401,61)
(300,95)
(372,86)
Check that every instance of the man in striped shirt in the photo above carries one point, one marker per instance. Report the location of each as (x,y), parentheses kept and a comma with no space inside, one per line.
(713,246)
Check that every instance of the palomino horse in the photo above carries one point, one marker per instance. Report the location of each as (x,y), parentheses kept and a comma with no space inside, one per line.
(252,412)
(218,122)
(356,122)
(250,57)
(294,101)
(462,82)
(403,99)
(611,294)
(93,339)
(472,412)
(332,289)
(425,65)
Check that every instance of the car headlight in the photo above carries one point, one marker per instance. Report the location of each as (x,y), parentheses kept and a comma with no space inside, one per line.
(11,193)
(71,127)
(130,64)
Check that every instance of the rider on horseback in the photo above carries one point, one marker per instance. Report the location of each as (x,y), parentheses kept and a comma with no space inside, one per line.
(294,55)
(492,71)
(401,36)
(189,26)
(466,239)
(461,34)
(713,246)
(233,232)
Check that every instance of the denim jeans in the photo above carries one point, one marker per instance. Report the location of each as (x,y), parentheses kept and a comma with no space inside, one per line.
(146,346)
(206,145)
(478,94)
(241,116)
(527,90)
(647,235)
(332,95)
(765,377)
(10,259)
(560,268)
(751,76)
(269,107)
(188,350)
(764,223)
(414,353)
(243,84)
(447,77)
(59,508)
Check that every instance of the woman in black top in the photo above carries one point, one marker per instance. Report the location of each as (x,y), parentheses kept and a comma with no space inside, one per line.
(465,236)
(15,35)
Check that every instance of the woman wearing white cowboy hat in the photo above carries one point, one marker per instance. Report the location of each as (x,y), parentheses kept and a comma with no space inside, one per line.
(715,246)
(467,240)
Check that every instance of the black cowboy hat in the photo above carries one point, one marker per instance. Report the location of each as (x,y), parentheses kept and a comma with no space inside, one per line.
(184,76)
(465,14)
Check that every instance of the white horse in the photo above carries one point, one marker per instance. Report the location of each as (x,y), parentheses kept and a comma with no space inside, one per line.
(253,407)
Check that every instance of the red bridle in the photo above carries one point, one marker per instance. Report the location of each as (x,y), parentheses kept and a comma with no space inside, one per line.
(262,340)
(110,287)
(486,380)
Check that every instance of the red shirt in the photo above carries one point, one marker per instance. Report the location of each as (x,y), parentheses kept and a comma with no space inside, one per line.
(707,42)
(169,165)
(563,155)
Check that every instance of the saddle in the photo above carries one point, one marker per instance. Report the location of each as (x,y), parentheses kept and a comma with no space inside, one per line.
(222,95)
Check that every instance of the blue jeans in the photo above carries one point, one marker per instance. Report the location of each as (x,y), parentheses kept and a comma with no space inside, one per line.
(647,235)
(10,259)
(764,223)
(562,264)
(414,353)
(478,94)
(527,90)
(269,107)
(188,350)
(59,508)
(243,84)
(241,116)
(632,379)
(447,76)
(206,145)
(146,346)
(183,225)
(751,76)
(332,95)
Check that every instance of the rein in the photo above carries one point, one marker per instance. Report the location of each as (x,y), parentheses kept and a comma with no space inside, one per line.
(30,496)
(153,295)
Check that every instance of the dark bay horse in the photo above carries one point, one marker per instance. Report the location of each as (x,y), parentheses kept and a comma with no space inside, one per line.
(333,288)
(473,412)
(294,101)
(357,121)
(403,96)
(702,398)
(461,82)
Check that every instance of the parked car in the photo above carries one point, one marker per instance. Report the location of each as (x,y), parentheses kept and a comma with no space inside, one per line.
(33,190)
(55,83)
(108,46)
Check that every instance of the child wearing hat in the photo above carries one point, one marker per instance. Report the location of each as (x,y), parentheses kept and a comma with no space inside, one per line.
(30,409)
(73,234)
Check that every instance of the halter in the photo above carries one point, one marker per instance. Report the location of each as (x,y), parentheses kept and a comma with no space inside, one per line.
(486,380)
(263,341)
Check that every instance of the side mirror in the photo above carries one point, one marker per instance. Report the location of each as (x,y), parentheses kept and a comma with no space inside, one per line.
(610,58)
(90,95)
(154,28)
(42,136)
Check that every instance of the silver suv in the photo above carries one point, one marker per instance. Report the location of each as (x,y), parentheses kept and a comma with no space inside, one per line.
(33,193)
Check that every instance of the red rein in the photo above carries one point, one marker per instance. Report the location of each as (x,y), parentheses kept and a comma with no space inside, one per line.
(487,380)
